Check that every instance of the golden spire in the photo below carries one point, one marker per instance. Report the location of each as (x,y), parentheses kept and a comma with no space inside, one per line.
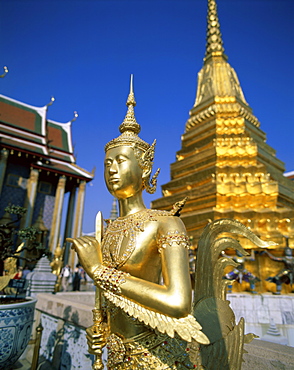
(130,123)
(129,128)
(218,83)
(214,42)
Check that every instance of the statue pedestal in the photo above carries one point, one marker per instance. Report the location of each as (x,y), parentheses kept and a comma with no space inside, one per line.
(261,310)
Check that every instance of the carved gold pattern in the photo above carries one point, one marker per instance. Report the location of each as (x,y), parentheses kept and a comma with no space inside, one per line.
(215,111)
(110,279)
(146,163)
(210,305)
(121,228)
(214,39)
(245,190)
(152,351)
(186,327)
(171,238)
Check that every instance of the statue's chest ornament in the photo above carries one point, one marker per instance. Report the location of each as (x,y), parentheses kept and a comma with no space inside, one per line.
(124,230)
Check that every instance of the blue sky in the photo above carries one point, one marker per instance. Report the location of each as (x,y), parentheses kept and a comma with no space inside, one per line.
(82,52)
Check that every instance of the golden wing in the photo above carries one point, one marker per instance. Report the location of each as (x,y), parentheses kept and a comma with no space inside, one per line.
(210,308)
(186,327)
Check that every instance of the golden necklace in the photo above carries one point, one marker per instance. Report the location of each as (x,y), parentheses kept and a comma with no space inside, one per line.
(125,227)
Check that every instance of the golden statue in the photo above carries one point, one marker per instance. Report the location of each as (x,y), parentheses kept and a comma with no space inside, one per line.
(57,265)
(143,311)
(286,275)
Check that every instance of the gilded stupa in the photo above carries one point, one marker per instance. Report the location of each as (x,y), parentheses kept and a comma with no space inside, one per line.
(225,167)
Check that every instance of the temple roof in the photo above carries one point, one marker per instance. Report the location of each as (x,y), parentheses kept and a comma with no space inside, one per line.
(71,169)
(59,140)
(26,128)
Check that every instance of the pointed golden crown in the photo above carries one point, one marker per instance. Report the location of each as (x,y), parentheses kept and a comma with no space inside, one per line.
(129,128)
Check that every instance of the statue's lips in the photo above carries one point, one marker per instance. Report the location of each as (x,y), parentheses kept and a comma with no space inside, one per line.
(113,180)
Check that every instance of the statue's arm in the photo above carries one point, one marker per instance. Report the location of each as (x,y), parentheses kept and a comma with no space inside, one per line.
(274,258)
(251,257)
(173,297)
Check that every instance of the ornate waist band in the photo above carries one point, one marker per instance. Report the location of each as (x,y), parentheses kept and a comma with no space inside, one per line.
(149,351)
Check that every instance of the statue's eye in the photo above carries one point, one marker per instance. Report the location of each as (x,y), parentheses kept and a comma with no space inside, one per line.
(121,160)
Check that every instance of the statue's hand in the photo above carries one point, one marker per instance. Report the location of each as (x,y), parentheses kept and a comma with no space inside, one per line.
(96,338)
(88,249)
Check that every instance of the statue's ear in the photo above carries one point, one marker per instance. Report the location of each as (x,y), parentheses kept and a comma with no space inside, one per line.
(146,172)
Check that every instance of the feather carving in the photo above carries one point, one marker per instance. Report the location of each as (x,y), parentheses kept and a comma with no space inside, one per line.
(210,306)
(186,327)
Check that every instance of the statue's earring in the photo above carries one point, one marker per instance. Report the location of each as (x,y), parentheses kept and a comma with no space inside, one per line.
(151,187)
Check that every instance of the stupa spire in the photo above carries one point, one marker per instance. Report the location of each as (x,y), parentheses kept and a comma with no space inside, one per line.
(218,82)
(214,42)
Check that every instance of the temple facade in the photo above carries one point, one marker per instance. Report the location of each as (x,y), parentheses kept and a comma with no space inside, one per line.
(225,167)
(37,169)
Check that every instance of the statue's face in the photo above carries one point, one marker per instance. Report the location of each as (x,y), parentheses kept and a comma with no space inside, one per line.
(122,173)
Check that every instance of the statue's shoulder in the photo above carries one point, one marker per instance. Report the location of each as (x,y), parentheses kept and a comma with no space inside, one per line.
(175,211)
(161,220)
(170,220)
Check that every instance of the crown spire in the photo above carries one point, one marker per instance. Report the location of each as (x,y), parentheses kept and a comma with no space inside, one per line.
(214,42)
(129,128)
(130,123)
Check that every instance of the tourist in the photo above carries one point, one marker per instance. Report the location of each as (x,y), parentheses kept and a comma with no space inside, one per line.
(65,277)
(76,281)
(19,273)
(26,270)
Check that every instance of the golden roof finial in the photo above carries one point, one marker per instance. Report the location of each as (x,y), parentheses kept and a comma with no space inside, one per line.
(52,100)
(129,128)
(74,117)
(214,42)
(5,72)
